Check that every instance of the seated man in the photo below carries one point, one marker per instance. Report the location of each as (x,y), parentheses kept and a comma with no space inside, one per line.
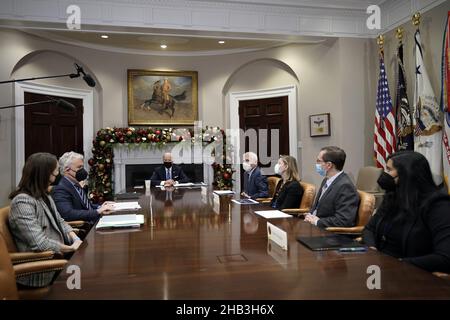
(255,184)
(336,203)
(169,174)
(70,196)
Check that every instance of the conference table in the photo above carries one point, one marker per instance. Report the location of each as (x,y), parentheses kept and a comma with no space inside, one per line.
(192,246)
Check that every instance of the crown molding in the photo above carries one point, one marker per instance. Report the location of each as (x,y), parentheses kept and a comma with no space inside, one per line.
(286,18)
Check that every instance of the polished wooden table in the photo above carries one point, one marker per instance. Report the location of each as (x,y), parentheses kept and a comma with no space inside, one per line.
(190,248)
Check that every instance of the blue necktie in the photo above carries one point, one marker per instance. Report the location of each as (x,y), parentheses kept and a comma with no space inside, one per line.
(168,174)
(83,196)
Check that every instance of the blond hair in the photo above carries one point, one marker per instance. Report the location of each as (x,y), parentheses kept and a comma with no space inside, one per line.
(292,169)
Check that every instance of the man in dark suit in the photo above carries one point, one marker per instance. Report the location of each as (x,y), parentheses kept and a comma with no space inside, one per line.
(168,174)
(255,184)
(337,200)
(70,196)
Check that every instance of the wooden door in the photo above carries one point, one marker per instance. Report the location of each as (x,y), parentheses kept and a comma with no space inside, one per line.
(49,128)
(270,114)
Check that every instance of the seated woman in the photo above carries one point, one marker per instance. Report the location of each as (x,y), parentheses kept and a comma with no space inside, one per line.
(288,192)
(34,220)
(413,221)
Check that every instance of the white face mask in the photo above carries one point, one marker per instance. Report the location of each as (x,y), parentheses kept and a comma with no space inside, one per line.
(277,169)
(247,167)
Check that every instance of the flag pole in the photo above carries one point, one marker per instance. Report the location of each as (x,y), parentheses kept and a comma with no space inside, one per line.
(399,34)
(416,19)
(380,42)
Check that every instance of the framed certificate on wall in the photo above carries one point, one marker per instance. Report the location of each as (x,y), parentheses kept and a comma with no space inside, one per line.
(319,125)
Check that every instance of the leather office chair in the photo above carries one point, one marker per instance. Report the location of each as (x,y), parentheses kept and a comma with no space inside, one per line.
(272,182)
(442,275)
(365,211)
(9,273)
(18,257)
(367,181)
(309,193)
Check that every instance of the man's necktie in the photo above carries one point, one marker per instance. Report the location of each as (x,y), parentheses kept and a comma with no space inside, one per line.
(247,184)
(83,196)
(168,174)
(322,191)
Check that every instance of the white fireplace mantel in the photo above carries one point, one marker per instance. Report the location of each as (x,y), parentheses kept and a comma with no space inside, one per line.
(124,155)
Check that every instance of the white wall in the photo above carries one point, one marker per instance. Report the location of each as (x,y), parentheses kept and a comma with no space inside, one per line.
(336,76)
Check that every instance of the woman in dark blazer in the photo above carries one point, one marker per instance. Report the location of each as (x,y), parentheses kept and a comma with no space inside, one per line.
(289,192)
(34,220)
(413,221)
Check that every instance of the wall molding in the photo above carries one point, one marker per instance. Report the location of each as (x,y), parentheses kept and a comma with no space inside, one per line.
(234,99)
(304,18)
(88,117)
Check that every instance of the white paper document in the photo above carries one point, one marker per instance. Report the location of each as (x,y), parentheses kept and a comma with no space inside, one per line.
(222,192)
(245,201)
(128,205)
(120,221)
(271,214)
(187,184)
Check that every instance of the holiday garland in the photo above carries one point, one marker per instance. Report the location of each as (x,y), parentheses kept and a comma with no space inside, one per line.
(102,161)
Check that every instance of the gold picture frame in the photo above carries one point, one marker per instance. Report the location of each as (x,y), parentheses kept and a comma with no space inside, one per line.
(162,97)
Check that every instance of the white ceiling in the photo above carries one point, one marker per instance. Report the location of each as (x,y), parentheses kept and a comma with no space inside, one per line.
(193,27)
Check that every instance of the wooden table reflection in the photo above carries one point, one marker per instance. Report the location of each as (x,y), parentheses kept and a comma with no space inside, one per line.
(187,250)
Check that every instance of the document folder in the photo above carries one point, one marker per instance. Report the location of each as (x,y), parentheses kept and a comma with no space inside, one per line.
(330,242)
(120,221)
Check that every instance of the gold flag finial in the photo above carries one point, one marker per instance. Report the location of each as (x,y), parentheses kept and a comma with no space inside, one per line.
(380,42)
(416,19)
(399,33)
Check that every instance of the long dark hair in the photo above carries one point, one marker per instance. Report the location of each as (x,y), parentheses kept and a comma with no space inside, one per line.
(36,175)
(415,183)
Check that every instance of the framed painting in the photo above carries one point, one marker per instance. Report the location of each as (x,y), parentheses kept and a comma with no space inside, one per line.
(319,125)
(162,97)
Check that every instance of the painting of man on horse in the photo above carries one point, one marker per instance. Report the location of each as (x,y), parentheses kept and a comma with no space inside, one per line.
(161,100)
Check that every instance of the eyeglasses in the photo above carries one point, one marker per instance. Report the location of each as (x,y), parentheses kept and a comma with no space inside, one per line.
(322,161)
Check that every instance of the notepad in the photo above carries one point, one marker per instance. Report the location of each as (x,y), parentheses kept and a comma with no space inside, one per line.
(187,184)
(272,214)
(222,192)
(120,221)
(129,205)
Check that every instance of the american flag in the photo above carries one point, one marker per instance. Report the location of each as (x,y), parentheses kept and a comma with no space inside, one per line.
(384,132)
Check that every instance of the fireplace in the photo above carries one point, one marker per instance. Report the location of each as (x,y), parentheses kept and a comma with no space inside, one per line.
(136,174)
(134,165)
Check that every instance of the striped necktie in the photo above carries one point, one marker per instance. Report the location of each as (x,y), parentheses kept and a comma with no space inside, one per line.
(84,197)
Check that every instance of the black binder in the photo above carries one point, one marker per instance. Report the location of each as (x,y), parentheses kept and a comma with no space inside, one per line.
(329,242)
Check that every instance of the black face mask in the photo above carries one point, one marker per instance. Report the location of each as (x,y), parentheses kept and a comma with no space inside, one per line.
(57,179)
(167,164)
(386,182)
(81,175)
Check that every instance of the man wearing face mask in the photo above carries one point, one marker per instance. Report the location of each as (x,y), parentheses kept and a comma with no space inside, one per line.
(169,174)
(70,196)
(255,184)
(337,200)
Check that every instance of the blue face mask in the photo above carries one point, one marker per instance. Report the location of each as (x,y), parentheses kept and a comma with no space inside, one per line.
(320,170)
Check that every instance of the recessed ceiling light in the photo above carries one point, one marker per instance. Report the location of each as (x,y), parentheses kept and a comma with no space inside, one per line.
(163,46)
(221,42)
(104,36)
